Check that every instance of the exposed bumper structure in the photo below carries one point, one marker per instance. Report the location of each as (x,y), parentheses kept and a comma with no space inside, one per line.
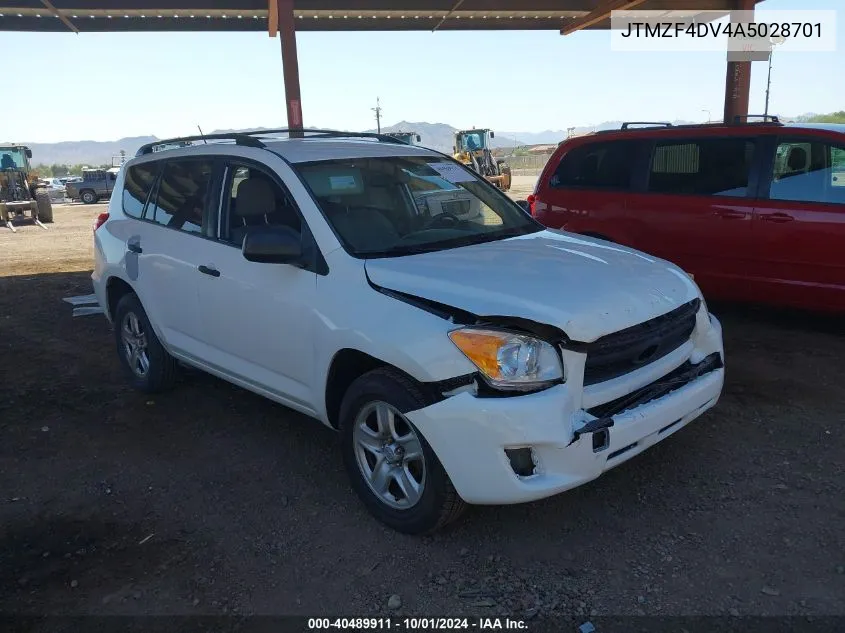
(471,435)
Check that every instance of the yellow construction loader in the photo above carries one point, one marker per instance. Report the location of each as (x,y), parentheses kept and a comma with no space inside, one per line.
(21,190)
(472,148)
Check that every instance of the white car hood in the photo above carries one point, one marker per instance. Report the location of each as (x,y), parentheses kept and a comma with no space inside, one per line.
(585,287)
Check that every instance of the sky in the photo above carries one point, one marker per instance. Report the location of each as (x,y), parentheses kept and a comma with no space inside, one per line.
(114,85)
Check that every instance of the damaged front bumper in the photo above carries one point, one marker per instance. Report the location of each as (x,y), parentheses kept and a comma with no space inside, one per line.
(526,447)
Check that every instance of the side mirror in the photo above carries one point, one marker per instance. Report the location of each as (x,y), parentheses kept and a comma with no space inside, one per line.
(28,153)
(272,245)
(525,205)
(418,138)
(492,135)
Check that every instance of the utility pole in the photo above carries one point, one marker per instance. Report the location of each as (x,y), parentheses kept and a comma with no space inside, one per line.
(774,41)
(377,110)
(768,84)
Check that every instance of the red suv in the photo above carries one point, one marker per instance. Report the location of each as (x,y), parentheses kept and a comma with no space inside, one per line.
(754,211)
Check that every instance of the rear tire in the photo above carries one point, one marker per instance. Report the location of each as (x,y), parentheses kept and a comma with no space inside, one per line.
(45,205)
(505,171)
(88,197)
(406,459)
(147,364)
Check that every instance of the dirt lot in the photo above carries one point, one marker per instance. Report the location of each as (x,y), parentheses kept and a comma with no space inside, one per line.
(211,500)
(65,246)
(521,187)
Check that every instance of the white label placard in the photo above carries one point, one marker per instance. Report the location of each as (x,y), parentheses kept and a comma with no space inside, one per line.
(341,183)
(452,172)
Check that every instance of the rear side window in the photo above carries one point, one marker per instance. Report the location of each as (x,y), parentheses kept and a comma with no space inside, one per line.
(809,171)
(710,167)
(182,195)
(137,186)
(596,166)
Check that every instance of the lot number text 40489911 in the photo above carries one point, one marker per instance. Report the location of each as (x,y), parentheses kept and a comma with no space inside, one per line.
(416,624)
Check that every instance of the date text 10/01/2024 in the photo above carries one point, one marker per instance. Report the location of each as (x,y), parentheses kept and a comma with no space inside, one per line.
(410,624)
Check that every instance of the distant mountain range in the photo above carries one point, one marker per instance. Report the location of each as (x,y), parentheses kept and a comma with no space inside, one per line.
(438,136)
(85,152)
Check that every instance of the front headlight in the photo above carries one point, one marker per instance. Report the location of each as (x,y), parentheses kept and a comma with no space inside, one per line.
(508,360)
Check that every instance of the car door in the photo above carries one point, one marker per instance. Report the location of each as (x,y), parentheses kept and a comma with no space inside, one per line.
(259,318)
(108,186)
(165,247)
(696,206)
(586,192)
(800,224)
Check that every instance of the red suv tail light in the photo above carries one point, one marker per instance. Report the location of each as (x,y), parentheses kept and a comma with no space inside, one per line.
(532,199)
(101,219)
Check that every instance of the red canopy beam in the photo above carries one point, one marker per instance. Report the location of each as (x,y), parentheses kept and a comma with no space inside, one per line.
(281,19)
(738,77)
(599,14)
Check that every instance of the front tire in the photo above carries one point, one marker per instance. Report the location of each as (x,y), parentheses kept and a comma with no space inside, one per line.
(88,197)
(392,468)
(147,364)
(44,205)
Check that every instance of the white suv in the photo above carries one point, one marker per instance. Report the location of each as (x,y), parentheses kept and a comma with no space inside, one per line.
(464,353)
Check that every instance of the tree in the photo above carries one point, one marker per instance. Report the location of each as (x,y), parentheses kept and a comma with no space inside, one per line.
(58,171)
(833,117)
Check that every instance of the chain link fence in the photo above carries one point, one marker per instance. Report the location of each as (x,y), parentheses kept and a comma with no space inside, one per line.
(527,164)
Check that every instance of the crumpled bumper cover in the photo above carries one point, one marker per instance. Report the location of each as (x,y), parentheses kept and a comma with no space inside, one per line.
(470,434)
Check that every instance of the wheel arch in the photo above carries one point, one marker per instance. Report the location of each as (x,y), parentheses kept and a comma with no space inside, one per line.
(347,365)
(116,289)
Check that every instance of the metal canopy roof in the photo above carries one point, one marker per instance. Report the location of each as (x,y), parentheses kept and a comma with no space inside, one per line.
(327,15)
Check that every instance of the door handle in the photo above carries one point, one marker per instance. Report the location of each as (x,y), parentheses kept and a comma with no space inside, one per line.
(135,247)
(731,215)
(777,217)
(207,270)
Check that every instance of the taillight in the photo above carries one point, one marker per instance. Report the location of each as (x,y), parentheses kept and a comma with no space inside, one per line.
(101,220)
(532,199)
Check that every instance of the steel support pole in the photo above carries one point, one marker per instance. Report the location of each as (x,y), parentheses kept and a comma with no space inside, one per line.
(738,78)
(290,64)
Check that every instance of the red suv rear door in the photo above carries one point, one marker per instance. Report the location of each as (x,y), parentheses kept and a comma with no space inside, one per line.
(695,208)
(800,223)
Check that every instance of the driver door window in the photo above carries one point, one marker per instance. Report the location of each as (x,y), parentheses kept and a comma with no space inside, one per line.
(253,199)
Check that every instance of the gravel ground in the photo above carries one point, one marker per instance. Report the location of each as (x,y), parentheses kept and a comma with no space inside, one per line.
(210,500)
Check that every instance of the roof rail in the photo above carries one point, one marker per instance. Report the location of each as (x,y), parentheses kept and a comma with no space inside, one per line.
(240,139)
(250,138)
(767,118)
(385,138)
(628,124)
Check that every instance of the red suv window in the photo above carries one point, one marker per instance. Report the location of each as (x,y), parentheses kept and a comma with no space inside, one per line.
(597,166)
(702,166)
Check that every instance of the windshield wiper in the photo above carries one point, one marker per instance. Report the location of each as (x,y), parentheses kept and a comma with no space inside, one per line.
(401,250)
(458,242)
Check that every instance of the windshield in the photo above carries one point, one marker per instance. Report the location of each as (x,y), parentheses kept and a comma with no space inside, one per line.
(12,159)
(394,206)
(472,141)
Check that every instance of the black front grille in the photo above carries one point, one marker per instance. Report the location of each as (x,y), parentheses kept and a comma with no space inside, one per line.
(624,351)
(672,381)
